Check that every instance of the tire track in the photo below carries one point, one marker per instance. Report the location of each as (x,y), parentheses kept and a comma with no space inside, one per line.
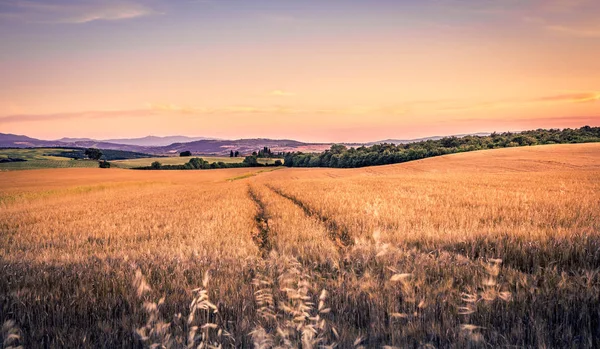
(336,232)
(262,237)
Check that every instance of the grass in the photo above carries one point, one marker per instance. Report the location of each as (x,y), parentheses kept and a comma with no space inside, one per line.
(132,163)
(37,158)
(495,248)
(33,153)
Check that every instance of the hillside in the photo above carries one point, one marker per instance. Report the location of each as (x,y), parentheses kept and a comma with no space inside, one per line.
(174,144)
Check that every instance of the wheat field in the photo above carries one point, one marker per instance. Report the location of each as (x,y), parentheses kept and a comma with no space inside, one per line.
(497,248)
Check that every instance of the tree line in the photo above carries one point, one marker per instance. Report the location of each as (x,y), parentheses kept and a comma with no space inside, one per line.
(383,154)
(201,164)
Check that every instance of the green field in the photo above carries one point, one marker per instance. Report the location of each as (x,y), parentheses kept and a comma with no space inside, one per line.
(37,158)
(180,160)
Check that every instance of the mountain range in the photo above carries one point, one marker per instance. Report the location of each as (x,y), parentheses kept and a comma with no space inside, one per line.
(175,144)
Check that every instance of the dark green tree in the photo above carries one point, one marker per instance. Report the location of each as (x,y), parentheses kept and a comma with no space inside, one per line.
(93,153)
(251,161)
(198,163)
(156,165)
(185,153)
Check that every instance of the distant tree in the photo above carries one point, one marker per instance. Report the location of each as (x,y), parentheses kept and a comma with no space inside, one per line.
(251,160)
(185,153)
(380,154)
(231,153)
(265,152)
(156,165)
(93,153)
(337,148)
(254,153)
(198,163)
(278,163)
(104,164)
(237,153)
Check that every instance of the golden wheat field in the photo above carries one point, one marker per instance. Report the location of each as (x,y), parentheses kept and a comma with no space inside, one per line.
(497,248)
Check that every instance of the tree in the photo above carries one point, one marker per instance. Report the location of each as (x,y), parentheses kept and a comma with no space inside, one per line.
(198,163)
(185,153)
(104,164)
(231,153)
(278,163)
(237,153)
(337,149)
(156,165)
(251,161)
(93,153)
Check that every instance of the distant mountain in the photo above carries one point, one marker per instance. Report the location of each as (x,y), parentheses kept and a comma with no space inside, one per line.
(19,141)
(154,141)
(244,146)
(8,140)
(199,145)
(71,140)
(433,138)
(105,145)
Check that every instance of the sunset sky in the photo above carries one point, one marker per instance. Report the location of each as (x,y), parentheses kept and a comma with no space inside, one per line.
(312,70)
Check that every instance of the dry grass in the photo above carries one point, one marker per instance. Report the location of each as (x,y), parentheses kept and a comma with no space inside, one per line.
(492,248)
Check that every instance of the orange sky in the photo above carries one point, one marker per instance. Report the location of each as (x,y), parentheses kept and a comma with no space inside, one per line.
(308,70)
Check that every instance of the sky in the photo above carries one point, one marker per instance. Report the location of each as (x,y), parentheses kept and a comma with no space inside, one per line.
(312,70)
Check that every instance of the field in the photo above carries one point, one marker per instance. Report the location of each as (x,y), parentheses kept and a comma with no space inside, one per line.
(180,160)
(497,248)
(37,158)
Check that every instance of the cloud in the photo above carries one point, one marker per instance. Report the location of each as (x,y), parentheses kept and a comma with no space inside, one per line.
(576,31)
(563,6)
(571,97)
(281,110)
(573,18)
(531,122)
(241,109)
(170,109)
(577,97)
(281,93)
(78,115)
(74,12)
(400,109)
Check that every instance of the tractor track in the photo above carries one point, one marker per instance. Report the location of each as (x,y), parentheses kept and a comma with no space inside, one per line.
(262,237)
(336,232)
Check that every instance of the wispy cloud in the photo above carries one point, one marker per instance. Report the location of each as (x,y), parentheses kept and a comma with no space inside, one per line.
(281,93)
(564,98)
(104,114)
(576,97)
(592,31)
(280,110)
(400,109)
(75,12)
(574,18)
(170,109)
